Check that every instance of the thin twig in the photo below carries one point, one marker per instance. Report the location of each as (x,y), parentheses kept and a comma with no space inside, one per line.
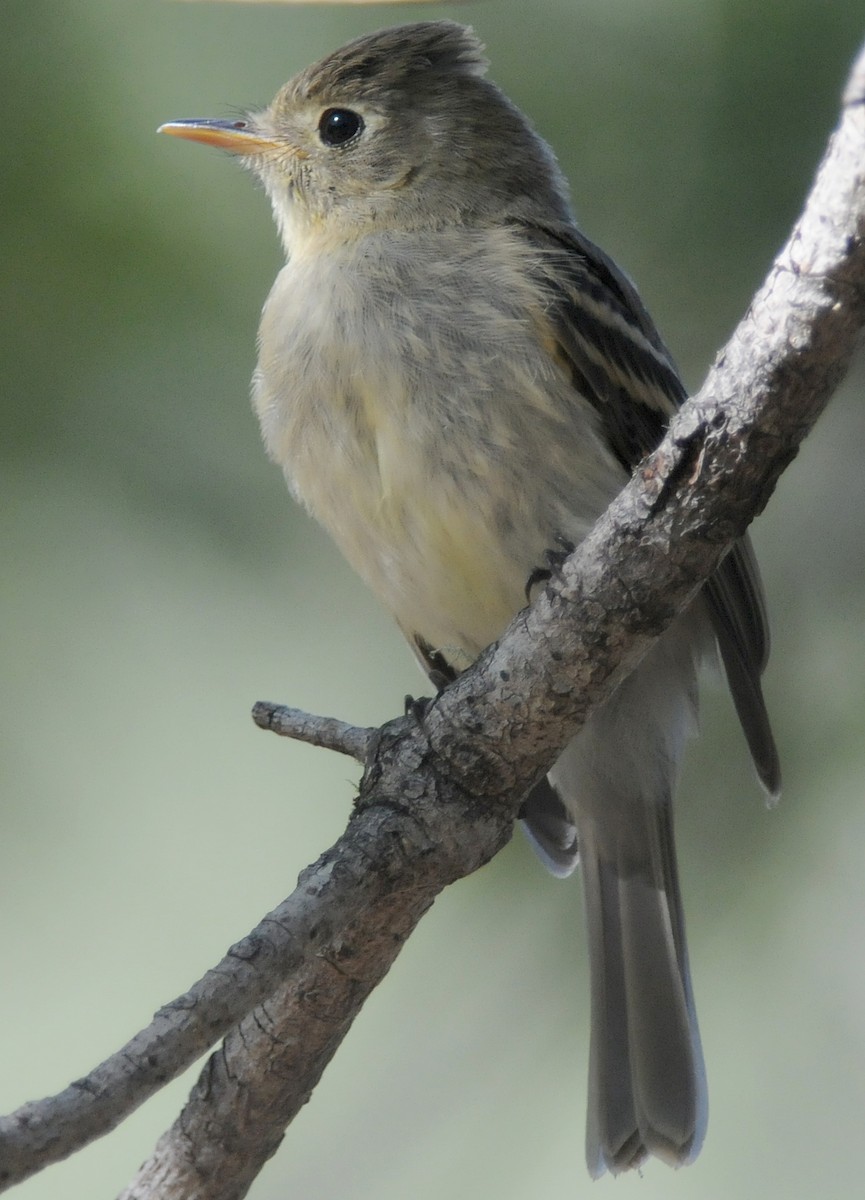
(327,732)
(48,1130)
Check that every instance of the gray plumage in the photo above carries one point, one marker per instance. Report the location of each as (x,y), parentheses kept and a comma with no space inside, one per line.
(455,380)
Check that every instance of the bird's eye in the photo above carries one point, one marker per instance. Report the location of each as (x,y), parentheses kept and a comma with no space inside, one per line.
(339,125)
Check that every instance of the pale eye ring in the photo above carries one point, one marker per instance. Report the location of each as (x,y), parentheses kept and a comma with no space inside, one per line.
(337,126)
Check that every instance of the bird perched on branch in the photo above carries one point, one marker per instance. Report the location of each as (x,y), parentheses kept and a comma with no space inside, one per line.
(456,382)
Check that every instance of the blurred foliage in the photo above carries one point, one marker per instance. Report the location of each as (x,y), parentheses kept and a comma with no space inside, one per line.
(156,580)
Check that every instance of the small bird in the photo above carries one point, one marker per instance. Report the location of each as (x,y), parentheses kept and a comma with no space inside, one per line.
(455,382)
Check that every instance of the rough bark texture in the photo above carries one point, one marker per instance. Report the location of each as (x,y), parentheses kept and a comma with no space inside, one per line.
(439,794)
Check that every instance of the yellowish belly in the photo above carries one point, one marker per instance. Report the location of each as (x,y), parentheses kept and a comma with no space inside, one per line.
(439,443)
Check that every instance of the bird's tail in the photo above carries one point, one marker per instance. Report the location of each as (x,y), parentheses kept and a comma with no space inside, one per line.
(647,1092)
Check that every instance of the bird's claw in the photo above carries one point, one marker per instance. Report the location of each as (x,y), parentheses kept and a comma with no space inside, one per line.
(554,560)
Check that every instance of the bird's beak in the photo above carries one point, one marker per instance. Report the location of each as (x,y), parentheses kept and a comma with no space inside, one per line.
(236,136)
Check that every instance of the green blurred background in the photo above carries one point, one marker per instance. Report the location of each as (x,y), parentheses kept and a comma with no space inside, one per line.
(156,580)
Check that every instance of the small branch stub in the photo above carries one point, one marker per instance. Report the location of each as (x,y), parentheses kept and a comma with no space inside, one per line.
(326,732)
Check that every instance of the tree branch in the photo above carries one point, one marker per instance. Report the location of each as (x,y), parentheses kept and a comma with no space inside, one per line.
(439,796)
(326,732)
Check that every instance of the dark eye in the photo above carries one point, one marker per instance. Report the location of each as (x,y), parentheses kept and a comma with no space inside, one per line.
(339,125)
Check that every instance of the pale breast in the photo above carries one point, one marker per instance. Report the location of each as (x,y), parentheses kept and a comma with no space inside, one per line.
(403,388)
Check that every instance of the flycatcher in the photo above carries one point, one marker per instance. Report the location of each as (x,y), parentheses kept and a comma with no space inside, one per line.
(456,381)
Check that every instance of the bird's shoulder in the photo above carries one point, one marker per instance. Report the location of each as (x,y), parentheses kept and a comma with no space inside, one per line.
(605,338)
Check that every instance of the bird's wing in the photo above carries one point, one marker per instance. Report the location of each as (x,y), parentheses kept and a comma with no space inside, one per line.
(617,361)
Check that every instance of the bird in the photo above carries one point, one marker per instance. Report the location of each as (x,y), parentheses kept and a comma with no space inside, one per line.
(455,382)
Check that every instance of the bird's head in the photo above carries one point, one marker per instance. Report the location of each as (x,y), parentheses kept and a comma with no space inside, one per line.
(397,130)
